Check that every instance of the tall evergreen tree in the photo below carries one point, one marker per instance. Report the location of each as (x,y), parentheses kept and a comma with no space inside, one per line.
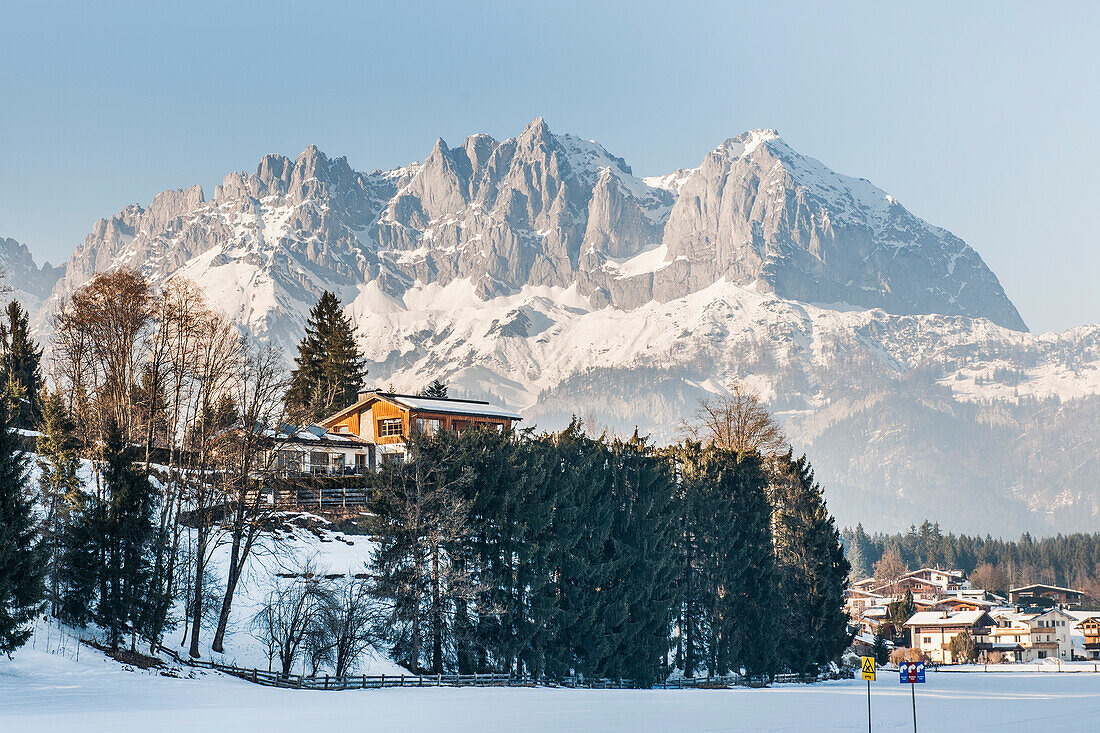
(640,565)
(59,485)
(20,367)
(813,569)
(126,525)
(79,561)
(22,566)
(329,369)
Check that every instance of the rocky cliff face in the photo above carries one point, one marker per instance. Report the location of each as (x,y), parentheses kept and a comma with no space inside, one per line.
(540,271)
(28,283)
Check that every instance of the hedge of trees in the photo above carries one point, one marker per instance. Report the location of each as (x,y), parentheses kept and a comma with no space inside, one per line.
(563,553)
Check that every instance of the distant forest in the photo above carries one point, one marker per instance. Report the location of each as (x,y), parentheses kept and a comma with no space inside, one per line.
(1067,560)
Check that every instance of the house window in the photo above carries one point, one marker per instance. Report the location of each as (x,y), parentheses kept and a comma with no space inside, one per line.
(288,460)
(392,459)
(928,640)
(360,462)
(428,426)
(389,426)
(318,462)
(459,425)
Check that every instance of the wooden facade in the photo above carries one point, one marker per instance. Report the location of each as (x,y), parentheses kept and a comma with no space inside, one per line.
(387,419)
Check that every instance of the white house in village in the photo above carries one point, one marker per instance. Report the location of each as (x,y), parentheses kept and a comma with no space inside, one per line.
(1026,636)
(932,631)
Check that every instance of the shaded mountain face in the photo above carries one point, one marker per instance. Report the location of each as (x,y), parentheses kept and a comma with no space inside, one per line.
(28,283)
(541,272)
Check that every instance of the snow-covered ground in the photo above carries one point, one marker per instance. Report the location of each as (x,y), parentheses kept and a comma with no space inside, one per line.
(42,692)
(324,551)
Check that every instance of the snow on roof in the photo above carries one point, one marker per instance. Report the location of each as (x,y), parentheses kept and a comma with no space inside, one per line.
(452,407)
(312,433)
(1044,586)
(937,618)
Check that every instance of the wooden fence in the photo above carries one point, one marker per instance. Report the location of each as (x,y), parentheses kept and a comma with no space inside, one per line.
(367,681)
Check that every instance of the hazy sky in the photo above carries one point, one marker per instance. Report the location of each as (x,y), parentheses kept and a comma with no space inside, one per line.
(979,118)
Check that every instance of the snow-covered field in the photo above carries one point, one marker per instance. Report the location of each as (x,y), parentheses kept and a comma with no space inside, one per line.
(42,692)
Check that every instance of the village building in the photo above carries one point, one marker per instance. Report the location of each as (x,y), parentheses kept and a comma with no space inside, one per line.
(315,451)
(947,580)
(1090,629)
(1029,594)
(1030,635)
(387,420)
(963,603)
(932,631)
(856,602)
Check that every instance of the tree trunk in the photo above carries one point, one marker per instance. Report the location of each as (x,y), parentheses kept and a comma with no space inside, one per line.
(235,567)
(196,603)
(437,614)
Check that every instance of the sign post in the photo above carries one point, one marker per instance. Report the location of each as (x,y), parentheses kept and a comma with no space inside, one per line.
(913,673)
(868,664)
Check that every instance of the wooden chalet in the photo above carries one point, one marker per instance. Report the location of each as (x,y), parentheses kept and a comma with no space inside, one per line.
(1090,628)
(1032,593)
(386,420)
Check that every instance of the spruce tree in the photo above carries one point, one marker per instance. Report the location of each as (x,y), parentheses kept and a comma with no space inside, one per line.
(813,569)
(640,560)
(329,369)
(20,367)
(746,569)
(436,389)
(126,525)
(59,485)
(22,566)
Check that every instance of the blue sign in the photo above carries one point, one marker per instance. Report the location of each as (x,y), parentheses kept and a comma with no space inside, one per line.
(911,672)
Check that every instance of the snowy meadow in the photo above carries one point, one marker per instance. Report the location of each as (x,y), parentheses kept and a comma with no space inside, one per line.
(43,692)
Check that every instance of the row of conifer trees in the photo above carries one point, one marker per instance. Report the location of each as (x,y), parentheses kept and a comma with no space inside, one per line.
(561,553)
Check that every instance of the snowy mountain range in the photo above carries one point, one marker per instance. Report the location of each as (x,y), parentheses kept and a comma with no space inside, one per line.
(540,271)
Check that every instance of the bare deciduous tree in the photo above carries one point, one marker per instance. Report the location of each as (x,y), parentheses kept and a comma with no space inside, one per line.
(258,393)
(289,615)
(889,569)
(736,421)
(350,621)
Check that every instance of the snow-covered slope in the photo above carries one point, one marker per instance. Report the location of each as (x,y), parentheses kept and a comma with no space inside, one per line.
(540,271)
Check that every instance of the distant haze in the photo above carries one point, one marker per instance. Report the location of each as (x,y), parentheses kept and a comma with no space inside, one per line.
(979,118)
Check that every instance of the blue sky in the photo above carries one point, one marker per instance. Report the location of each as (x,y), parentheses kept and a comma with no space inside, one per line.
(980,118)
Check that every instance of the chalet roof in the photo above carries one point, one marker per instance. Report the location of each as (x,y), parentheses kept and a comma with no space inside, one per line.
(937,618)
(948,573)
(314,435)
(861,592)
(963,600)
(441,405)
(1043,586)
(453,407)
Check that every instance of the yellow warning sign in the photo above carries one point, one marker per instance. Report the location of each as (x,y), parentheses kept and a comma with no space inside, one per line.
(869,668)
